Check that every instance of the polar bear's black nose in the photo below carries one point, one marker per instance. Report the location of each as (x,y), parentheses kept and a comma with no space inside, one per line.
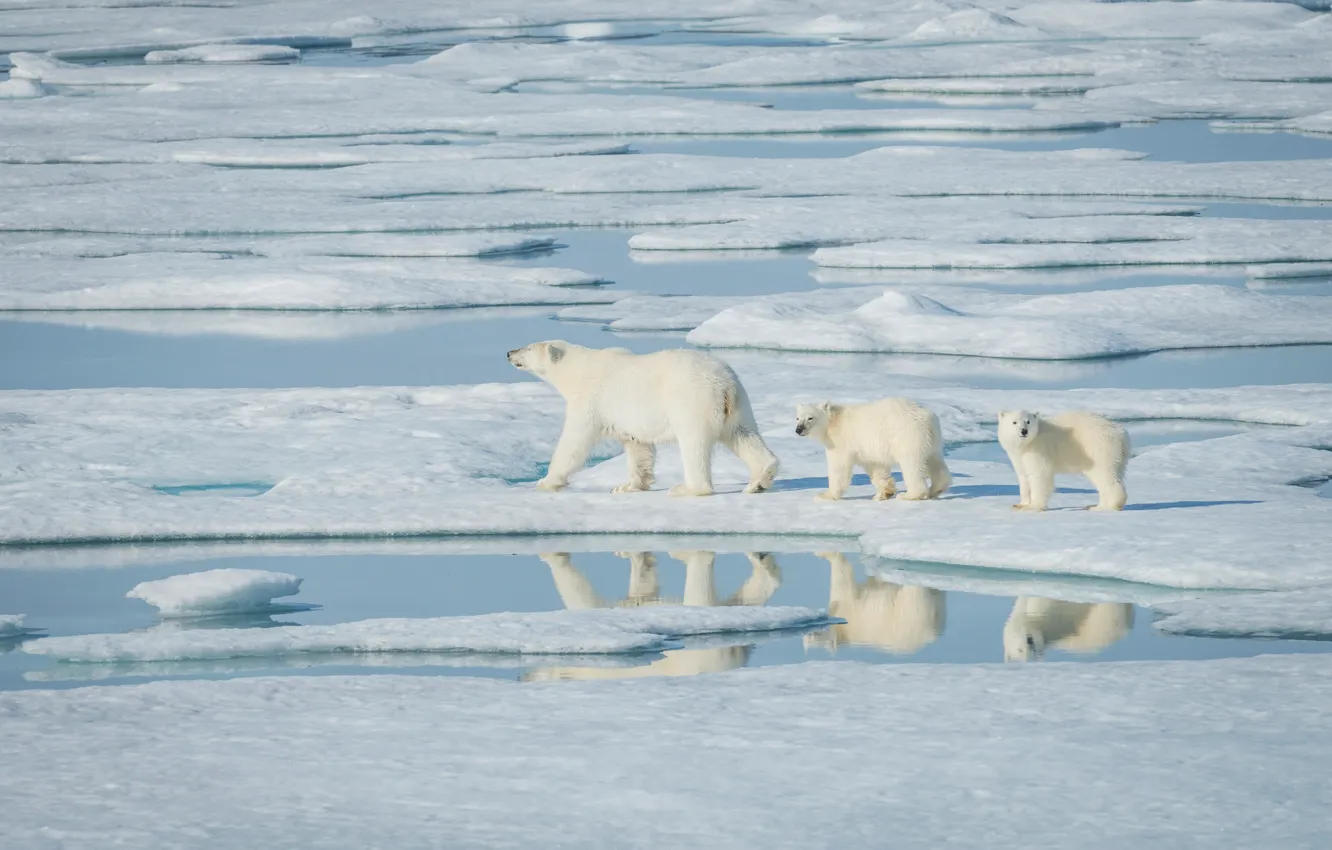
(800,430)
(1024,432)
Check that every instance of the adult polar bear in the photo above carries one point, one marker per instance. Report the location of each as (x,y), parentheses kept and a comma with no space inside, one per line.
(644,400)
(1077,441)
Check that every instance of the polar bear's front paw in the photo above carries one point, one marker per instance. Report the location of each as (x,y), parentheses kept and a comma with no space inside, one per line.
(827,496)
(550,485)
(884,495)
(630,487)
(686,490)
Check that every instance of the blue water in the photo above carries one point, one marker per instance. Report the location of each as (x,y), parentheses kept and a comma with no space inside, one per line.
(969,626)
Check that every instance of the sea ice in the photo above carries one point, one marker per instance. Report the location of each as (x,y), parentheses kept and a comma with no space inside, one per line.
(653,312)
(577,632)
(224,53)
(1303,615)
(11,626)
(163,281)
(1043,327)
(1229,753)
(213,592)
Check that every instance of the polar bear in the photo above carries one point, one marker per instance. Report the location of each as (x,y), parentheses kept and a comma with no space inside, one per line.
(877,436)
(643,400)
(1077,441)
(900,619)
(1083,627)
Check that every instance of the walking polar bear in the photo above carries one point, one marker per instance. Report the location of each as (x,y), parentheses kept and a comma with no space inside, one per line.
(1078,441)
(876,436)
(677,396)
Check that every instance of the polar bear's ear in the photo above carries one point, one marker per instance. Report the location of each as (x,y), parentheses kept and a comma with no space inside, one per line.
(556,351)
(1003,414)
(825,406)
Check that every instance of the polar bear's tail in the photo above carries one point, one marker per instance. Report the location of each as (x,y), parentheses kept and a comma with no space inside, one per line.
(740,434)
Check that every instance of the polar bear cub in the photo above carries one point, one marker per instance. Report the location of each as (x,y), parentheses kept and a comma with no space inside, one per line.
(876,436)
(644,400)
(1078,441)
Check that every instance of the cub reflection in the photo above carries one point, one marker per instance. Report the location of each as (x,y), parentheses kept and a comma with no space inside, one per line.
(1082,627)
(576,592)
(896,618)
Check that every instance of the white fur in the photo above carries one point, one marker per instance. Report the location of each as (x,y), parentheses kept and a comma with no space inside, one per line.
(644,400)
(1036,623)
(896,618)
(1078,442)
(877,436)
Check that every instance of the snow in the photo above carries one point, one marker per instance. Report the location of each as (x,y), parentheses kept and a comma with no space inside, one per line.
(165,281)
(1238,746)
(407,462)
(979,323)
(653,312)
(576,632)
(225,53)
(1302,615)
(212,592)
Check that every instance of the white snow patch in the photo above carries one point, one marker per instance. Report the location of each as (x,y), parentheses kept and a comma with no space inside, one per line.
(978,323)
(224,53)
(221,591)
(585,632)
(1301,614)
(1231,743)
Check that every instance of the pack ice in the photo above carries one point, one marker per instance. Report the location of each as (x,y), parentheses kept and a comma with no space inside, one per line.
(987,324)
(578,632)
(212,592)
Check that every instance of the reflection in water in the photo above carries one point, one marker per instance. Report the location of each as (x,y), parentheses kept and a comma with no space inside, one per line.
(577,593)
(1081,627)
(896,618)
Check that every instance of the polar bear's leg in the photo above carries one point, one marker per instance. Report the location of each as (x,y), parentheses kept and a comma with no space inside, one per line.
(840,467)
(643,582)
(696,452)
(699,588)
(580,434)
(642,457)
(940,478)
(1040,481)
(916,476)
(1024,489)
(764,579)
(576,592)
(882,478)
(762,463)
(1110,491)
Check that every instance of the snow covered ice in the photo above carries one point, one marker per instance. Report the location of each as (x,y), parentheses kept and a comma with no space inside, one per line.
(213,592)
(845,200)
(587,632)
(1043,327)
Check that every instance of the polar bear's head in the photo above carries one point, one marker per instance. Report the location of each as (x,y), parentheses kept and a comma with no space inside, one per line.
(1023,639)
(1018,425)
(812,419)
(540,357)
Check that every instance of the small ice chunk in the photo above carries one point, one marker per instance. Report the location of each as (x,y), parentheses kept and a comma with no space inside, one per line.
(18,88)
(224,53)
(596,631)
(222,591)
(11,626)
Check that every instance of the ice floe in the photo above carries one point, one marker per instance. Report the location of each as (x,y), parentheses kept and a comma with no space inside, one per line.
(396,462)
(213,592)
(1042,327)
(1302,615)
(12,627)
(712,737)
(225,53)
(163,281)
(578,632)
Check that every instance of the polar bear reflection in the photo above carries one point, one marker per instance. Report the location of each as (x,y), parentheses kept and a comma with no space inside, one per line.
(1082,627)
(576,592)
(900,619)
